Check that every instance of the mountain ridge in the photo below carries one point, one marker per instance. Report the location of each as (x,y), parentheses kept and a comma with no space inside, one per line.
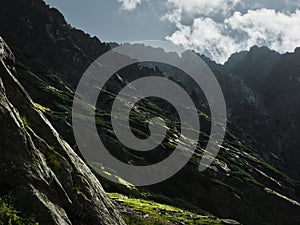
(238,185)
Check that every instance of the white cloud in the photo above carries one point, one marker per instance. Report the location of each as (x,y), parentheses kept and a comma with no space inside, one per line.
(206,36)
(130,4)
(219,28)
(202,7)
(263,27)
(276,30)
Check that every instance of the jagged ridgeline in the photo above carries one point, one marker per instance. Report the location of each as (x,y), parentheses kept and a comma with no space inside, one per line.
(50,184)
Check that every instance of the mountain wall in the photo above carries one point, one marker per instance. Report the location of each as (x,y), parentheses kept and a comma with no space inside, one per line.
(38,168)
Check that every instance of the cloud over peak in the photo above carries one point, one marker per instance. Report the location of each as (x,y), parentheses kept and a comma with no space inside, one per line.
(262,27)
(220,28)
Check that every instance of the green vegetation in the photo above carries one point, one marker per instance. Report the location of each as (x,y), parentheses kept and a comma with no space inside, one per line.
(25,121)
(53,159)
(177,202)
(222,183)
(120,185)
(135,220)
(149,212)
(42,108)
(278,173)
(10,216)
(241,173)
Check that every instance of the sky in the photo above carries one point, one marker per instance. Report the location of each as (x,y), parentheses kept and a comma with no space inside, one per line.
(216,28)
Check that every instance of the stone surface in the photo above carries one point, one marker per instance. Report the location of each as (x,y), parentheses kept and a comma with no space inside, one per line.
(38,168)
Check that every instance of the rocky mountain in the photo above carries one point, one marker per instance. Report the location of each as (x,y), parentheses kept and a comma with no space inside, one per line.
(268,84)
(40,169)
(51,56)
(53,44)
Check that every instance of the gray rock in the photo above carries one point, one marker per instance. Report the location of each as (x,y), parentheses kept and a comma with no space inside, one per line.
(40,169)
(229,222)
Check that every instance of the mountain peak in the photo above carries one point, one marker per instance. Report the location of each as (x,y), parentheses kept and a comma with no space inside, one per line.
(254,54)
(262,50)
(257,48)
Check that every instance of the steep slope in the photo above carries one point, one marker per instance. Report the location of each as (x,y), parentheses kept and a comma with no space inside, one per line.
(51,53)
(242,80)
(247,72)
(268,86)
(49,62)
(252,66)
(281,96)
(41,38)
(38,168)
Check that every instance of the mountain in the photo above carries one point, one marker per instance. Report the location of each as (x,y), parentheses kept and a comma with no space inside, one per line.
(53,44)
(252,66)
(40,169)
(282,96)
(268,84)
(50,58)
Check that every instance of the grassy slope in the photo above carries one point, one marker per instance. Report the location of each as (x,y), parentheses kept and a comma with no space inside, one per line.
(142,211)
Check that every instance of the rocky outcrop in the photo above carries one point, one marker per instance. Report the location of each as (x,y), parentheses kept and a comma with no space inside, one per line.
(281,96)
(50,58)
(267,86)
(41,38)
(38,168)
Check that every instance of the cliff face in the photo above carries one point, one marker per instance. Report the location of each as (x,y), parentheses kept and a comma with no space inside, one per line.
(47,178)
(281,96)
(41,38)
(269,88)
(38,167)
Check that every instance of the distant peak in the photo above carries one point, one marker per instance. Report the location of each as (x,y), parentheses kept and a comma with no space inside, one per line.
(256,48)
(297,50)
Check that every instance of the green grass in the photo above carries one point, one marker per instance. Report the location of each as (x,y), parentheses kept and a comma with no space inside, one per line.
(10,216)
(42,108)
(25,121)
(278,173)
(136,220)
(55,163)
(222,183)
(115,184)
(161,213)
(241,173)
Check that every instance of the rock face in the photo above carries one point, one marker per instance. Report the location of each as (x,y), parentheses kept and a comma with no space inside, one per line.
(45,172)
(269,88)
(42,40)
(39,168)
(262,92)
(282,97)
